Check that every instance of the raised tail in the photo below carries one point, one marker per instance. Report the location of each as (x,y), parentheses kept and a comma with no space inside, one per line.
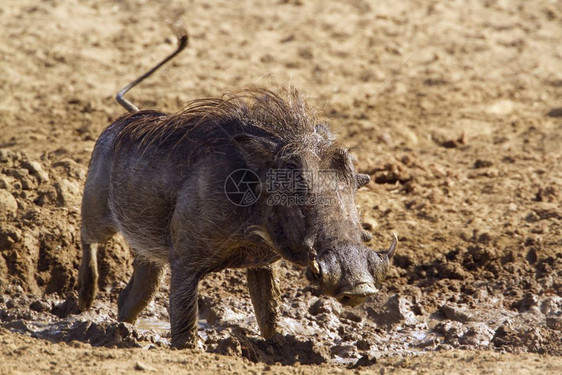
(179,29)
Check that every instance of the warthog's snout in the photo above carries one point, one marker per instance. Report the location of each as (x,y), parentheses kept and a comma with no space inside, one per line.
(354,296)
(349,272)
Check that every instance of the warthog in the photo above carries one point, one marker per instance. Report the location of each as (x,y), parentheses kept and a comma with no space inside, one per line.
(160,181)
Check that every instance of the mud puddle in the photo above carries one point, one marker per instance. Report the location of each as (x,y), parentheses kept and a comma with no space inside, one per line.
(318,330)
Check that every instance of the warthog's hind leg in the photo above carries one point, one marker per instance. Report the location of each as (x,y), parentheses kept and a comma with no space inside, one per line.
(88,276)
(139,291)
(264,291)
(97,226)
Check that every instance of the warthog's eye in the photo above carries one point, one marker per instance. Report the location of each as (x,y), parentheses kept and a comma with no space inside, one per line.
(291,165)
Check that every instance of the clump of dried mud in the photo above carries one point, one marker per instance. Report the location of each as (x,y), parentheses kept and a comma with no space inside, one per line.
(40,216)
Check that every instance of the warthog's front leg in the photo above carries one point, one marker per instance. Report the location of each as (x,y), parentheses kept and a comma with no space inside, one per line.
(264,291)
(139,291)
(184,311)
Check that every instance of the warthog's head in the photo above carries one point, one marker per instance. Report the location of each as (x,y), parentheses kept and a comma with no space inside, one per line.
(307,202)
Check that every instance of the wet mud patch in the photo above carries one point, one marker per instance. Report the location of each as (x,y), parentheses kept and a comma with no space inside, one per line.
(316,330)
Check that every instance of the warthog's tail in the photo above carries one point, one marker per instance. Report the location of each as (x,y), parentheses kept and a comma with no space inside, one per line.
(180,31)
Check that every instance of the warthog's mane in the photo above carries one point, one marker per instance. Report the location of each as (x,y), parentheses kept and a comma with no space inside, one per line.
(207,123)
(254,111)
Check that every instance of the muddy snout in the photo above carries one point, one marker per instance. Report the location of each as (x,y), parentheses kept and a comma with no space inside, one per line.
(349,273)
(356,295)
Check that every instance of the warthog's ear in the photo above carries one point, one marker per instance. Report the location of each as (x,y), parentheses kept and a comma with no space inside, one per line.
(362,179)
(258,152)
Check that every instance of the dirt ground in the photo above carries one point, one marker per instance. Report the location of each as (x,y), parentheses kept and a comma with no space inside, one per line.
(454,109)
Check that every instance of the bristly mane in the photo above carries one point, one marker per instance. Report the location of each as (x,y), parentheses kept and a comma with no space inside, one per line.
(284,118)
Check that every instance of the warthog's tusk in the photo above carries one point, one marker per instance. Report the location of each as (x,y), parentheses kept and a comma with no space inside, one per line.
(392,249)
(312,262)
(315,267)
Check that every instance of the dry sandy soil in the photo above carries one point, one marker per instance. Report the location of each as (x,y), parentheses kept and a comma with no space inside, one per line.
(454,109)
